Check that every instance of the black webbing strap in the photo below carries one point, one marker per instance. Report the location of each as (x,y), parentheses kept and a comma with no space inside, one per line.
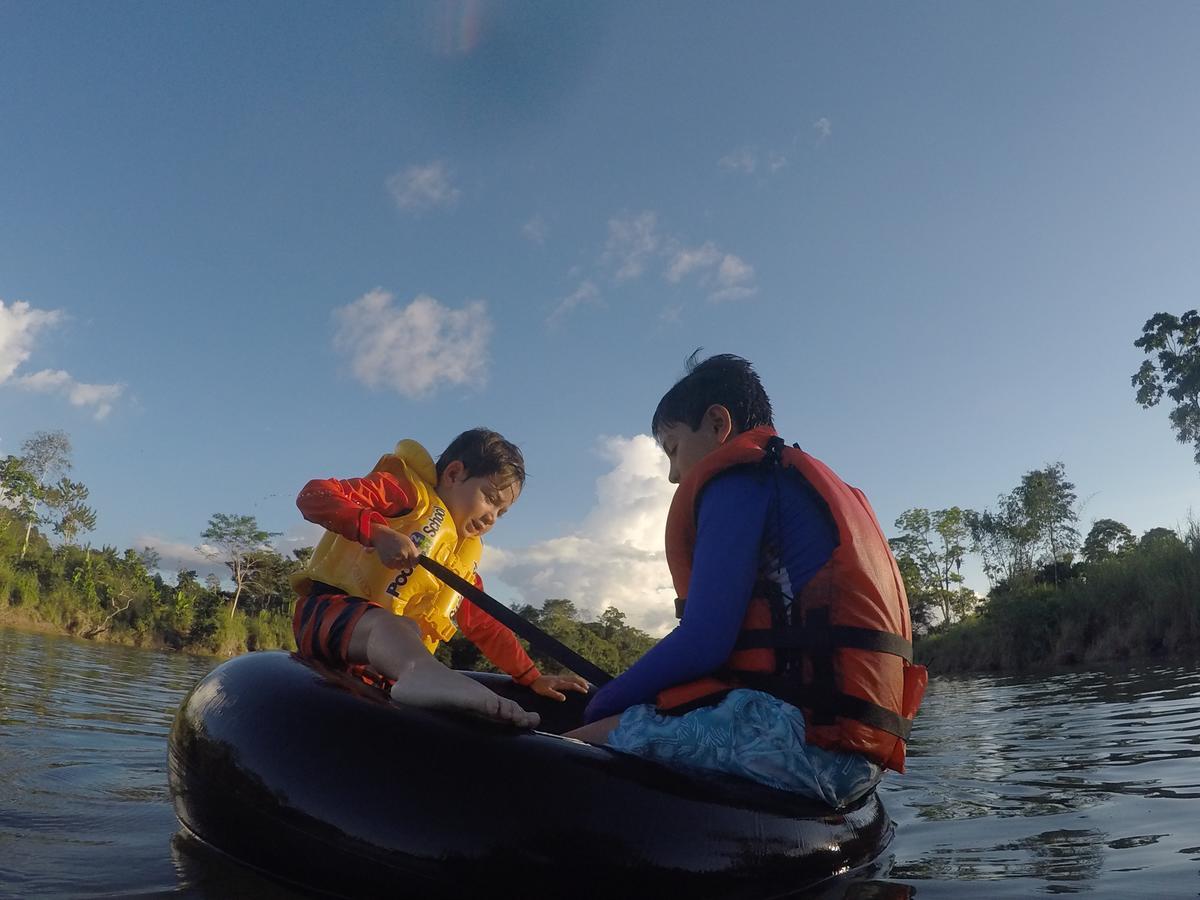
(538,639)
(836,636)
(868,713)
(824,683)
(830,705)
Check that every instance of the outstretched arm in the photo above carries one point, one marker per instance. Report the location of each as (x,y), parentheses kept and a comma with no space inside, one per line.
(505,652)
(729,532)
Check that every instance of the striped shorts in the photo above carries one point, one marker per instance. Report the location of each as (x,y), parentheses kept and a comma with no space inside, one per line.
(323,623)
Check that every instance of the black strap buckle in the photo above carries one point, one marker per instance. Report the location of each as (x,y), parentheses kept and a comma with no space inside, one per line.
(773,452)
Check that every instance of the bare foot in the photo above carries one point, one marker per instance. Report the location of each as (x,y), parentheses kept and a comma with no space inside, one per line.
(434,686)
(391,645)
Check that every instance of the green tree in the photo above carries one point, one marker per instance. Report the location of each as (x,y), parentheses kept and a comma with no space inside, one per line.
(922,605)
(1037,516)
(935,543)
(1048,501)
(151,559)
(235,540)
(45,455)
(19,491)
(1004,539)
(1175,371)
(268,585)
(1159,536)
(1107,538)
(71,515)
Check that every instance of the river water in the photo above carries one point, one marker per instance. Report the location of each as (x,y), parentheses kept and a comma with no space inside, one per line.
(1085,782)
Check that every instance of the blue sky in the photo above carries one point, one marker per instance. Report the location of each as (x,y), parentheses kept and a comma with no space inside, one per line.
(243,245)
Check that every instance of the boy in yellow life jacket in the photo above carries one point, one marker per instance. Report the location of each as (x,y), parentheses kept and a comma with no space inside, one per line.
(363,600)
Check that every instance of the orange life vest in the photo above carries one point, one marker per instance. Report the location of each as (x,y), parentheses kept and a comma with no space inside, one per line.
(841,649)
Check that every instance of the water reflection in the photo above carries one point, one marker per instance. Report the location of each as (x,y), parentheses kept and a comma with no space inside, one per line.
(1053,784)
(84,808)
(210,875)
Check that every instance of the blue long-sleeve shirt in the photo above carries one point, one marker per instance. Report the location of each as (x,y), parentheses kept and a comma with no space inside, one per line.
(738,518)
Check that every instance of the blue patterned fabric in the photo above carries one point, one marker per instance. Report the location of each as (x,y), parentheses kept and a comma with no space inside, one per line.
(750,734)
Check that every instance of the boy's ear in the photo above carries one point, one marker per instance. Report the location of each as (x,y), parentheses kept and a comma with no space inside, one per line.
(718,419)
(454,471)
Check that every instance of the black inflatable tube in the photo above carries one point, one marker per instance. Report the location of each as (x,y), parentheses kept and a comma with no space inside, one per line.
(319,780)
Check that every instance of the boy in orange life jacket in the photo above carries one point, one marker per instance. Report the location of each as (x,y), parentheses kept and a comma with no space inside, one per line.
(791,665)
(365,569)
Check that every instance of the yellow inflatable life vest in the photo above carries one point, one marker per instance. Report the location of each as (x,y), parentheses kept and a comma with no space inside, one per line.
(414,593)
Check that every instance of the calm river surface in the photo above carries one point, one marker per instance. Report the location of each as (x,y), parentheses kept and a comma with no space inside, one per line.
(1087,782)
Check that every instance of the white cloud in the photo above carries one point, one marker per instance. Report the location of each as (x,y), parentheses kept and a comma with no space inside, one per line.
(176,555)
(535,230)
(824,128)
(615,556)
(46,381)
(689,259)
(414,349)
(100,397)
(735,279)
(587,294)
(19,325)
(729,276)
(748,160)
(632,242)
(423,187)
(743,159)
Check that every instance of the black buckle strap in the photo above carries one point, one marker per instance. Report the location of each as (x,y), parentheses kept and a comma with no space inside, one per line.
(826,639)
(825,708)
(872,714)
(773,451)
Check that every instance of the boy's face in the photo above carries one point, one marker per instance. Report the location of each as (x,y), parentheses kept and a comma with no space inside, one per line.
(474,502)
(685,447)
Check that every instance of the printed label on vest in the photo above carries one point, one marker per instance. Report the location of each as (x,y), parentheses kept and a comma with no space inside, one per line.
(427,535)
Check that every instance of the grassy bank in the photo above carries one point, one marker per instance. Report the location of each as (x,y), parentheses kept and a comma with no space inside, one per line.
(1142,603)
(101,594)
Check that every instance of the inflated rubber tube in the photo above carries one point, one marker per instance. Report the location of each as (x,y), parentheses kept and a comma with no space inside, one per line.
(319,780)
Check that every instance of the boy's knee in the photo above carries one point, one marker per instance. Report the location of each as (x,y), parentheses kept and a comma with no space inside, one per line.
(388,643)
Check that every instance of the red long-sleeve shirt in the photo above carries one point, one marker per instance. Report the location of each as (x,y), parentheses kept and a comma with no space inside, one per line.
(351,507)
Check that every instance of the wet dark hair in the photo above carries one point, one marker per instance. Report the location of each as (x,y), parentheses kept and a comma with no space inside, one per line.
(724,379)
(485,453)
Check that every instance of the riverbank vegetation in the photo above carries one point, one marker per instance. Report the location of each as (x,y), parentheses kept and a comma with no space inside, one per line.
(1054,599)
(1141,602)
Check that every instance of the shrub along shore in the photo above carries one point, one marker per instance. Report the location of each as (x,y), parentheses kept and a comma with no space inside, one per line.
(1141,603)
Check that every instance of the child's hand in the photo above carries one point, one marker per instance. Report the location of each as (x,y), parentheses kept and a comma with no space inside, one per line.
(396,550)
(553,686)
